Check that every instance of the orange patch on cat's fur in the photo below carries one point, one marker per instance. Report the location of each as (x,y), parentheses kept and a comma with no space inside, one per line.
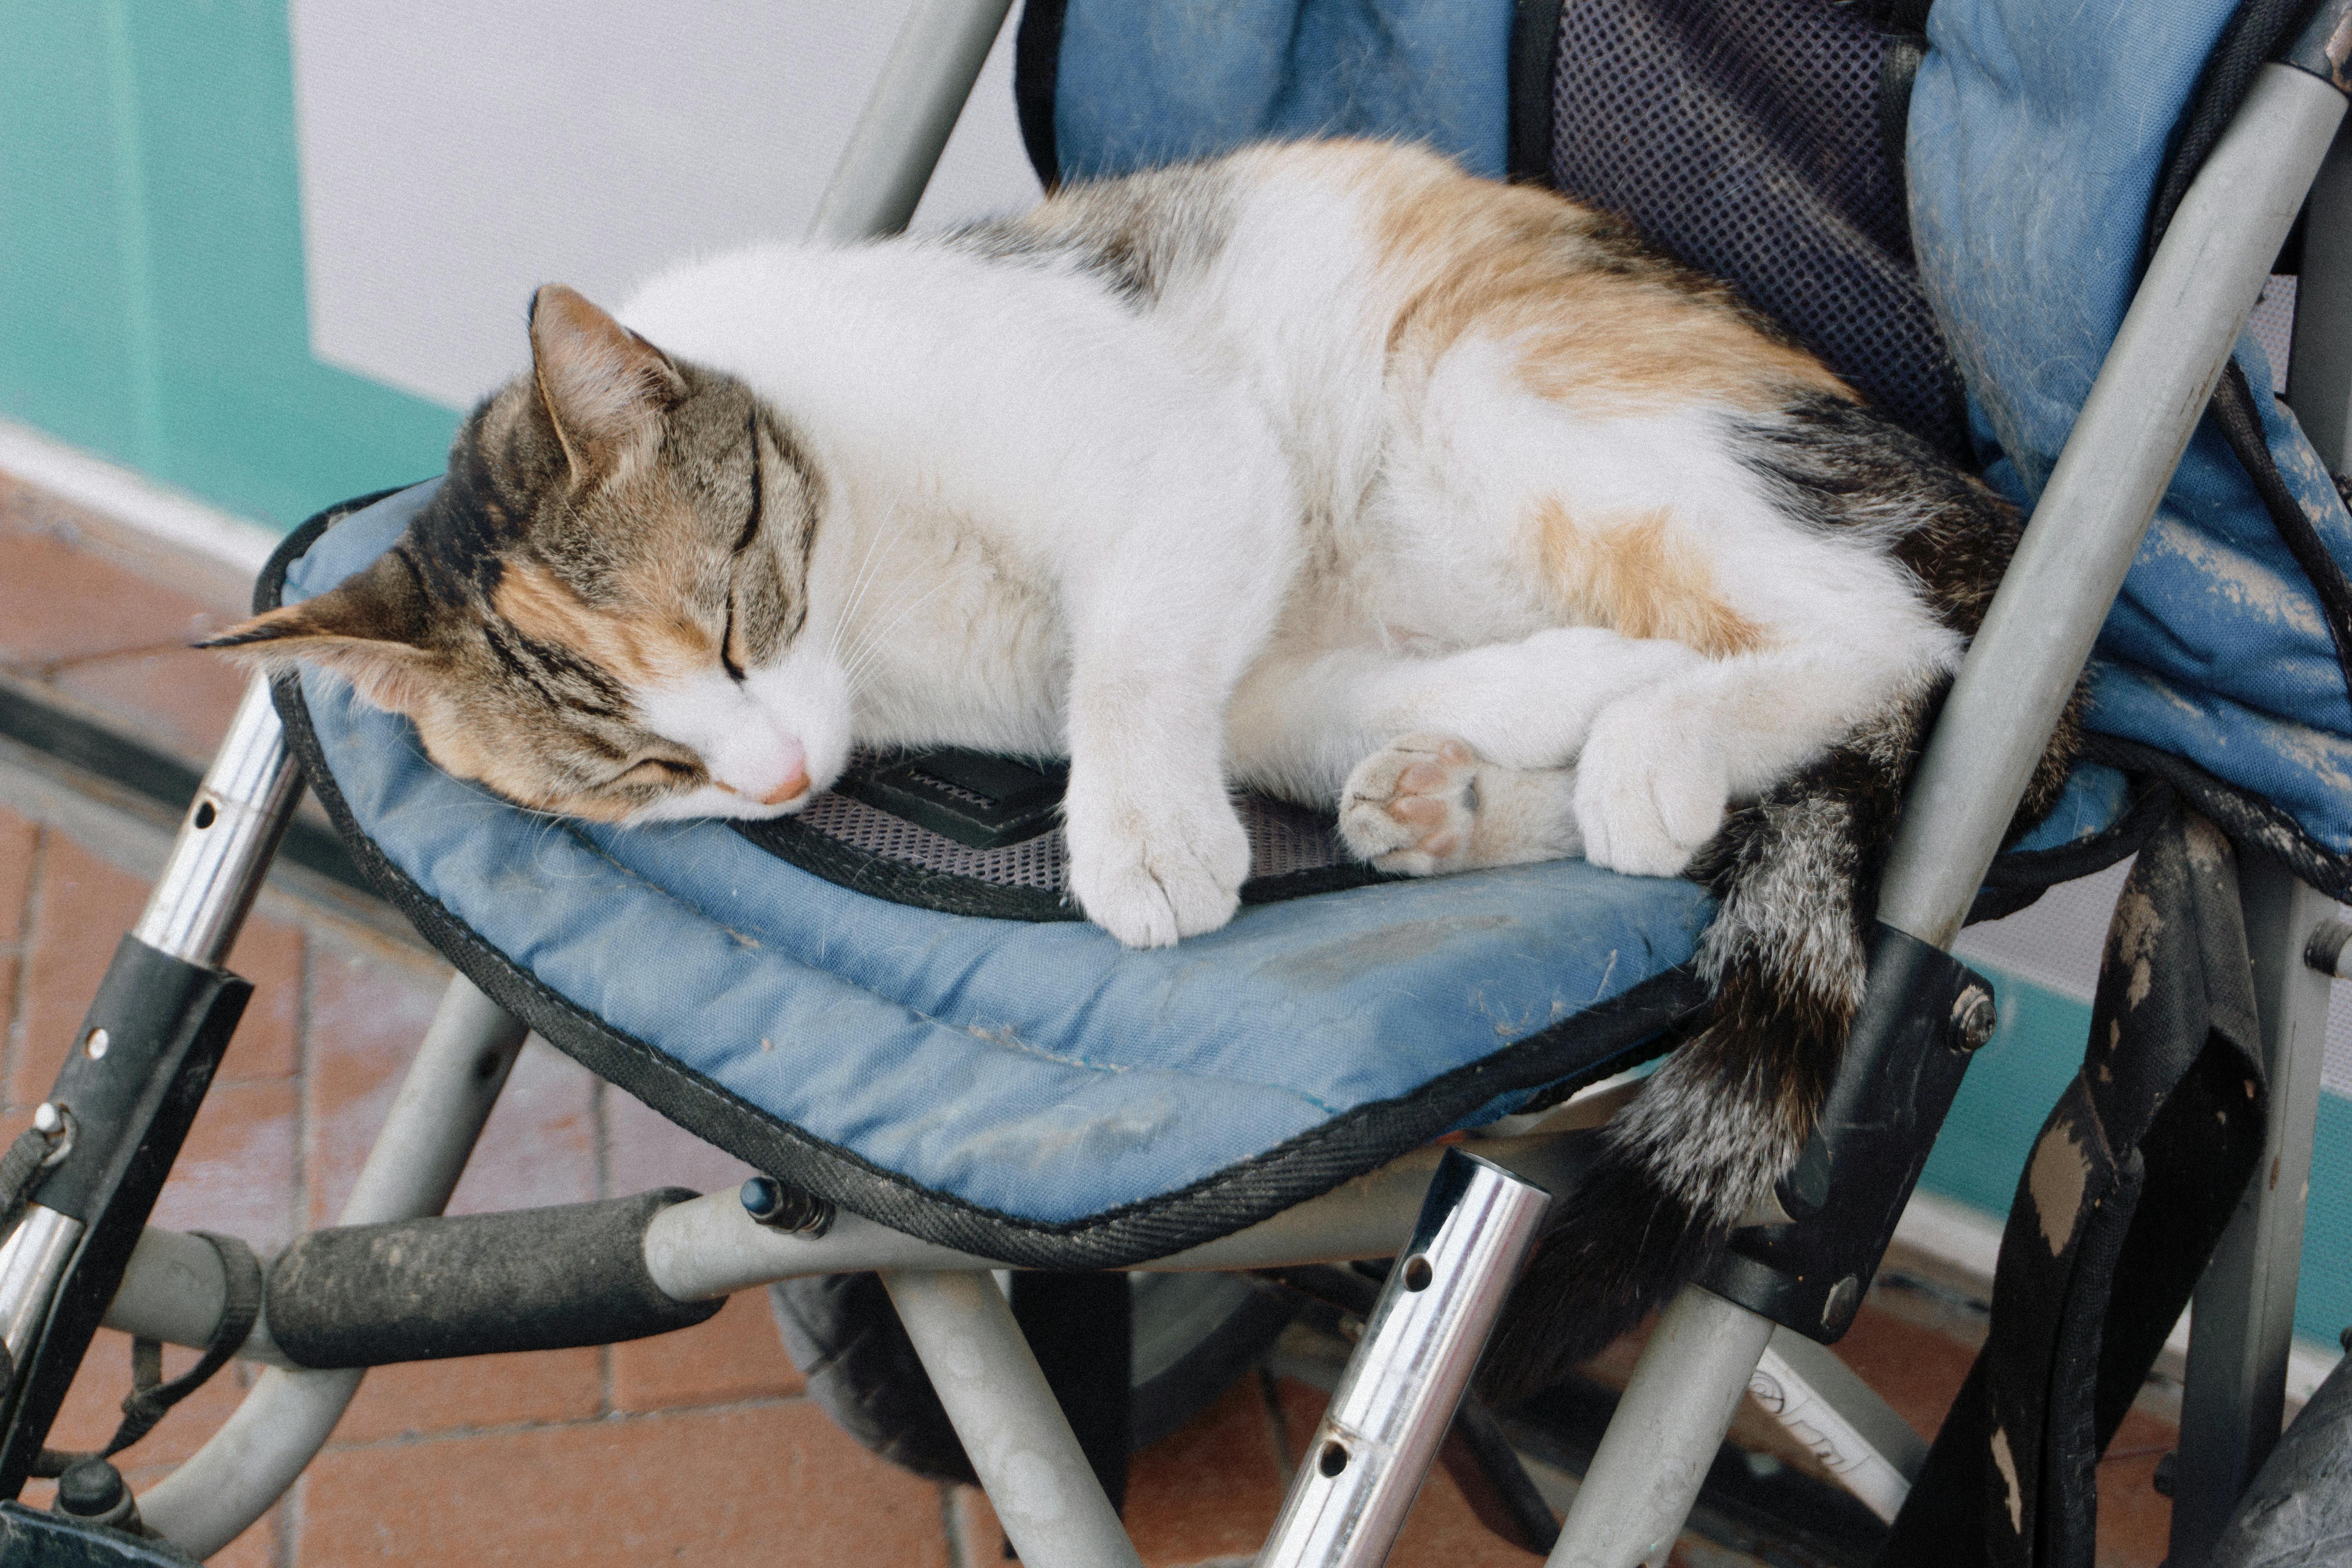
(1638,576)
(1592,321)
(541,607)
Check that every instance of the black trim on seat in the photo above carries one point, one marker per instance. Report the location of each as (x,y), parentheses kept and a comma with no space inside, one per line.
(1534,50)
(1036,71)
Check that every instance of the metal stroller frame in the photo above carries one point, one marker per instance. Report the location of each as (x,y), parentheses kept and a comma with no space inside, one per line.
(1459,1226)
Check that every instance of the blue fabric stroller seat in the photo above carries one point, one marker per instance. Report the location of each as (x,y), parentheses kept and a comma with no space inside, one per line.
(1028,1090)
(1021,1088)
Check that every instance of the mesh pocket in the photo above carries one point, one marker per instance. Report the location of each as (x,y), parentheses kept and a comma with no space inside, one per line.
(1742,138)
(1292,851)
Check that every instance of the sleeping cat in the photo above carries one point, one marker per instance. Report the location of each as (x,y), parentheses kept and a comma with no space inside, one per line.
(1322,469)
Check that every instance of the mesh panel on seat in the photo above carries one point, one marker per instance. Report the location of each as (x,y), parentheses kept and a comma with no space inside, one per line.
(1283,839)
(1292,851)
(1742,138)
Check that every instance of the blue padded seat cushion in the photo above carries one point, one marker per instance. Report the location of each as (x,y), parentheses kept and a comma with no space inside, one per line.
(1026,1090)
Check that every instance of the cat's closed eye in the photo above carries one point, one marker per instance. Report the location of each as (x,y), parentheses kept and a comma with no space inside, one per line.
(658,771)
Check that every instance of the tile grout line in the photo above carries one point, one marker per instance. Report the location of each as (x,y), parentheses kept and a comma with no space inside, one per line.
(289,1508)
(423,1439)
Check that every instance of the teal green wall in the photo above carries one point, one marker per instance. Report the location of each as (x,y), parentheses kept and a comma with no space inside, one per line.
(152,298)
(2018,1077)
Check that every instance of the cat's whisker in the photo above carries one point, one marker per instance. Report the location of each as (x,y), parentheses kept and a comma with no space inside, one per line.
(893,522)
(872,650)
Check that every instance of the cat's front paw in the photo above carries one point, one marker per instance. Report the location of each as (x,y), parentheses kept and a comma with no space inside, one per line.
(1149,876)
(1648,796)
(1412,805)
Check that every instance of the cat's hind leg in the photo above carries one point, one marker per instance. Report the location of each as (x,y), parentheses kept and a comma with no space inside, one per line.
(1658,772)
(1444,763)
(1302,721)
(1427,803)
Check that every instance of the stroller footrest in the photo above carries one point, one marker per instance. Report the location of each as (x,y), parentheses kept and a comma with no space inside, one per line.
(423,1290)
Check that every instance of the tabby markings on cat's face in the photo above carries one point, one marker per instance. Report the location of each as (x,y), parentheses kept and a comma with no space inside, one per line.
(602,614)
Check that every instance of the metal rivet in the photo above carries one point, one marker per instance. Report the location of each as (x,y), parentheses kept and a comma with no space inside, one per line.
(97,1043)
(53,1121)
(1844,1298)
(782,1206)
(1974,1018)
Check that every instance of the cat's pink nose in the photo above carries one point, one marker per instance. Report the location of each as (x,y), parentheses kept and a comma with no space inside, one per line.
(795,784)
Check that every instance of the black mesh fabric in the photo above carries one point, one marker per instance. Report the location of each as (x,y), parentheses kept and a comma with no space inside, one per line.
(1742,138)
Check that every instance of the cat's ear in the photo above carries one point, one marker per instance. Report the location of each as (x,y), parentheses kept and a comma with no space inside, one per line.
(372,630)
(604,388)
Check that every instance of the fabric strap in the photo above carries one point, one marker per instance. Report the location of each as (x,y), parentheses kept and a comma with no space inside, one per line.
(2130,1184)
(151,1397)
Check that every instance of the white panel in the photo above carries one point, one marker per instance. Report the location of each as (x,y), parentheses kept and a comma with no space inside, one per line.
(454,155)
(2056,943)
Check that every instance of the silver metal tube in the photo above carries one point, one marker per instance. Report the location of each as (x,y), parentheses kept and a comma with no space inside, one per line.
(907,119)
(2233,1398)
(31,1261)
(173,1289)
(709,1247)
(2157,379)
(226,840)
(1375,1444)
(1841,1418)
(2320,370)
(260,1451)
(200,902)
(1647,1471)
(1020,1444)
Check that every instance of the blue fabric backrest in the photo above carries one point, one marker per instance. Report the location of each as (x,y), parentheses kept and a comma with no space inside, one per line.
(2037,133)
(1142,85)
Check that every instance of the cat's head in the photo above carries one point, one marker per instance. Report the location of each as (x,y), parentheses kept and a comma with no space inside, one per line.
(604,612)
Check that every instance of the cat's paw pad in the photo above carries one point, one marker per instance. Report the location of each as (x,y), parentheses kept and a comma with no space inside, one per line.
(1648,797)
(1150,884)
(1411,806)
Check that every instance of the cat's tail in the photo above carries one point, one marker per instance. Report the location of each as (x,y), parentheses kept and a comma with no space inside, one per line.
(1713,1127)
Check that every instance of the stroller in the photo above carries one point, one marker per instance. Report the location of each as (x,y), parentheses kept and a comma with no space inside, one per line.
(943,1076)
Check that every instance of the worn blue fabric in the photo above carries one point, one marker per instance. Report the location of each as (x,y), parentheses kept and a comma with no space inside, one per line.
(1035,1070)
(2037,134)
(1140,85)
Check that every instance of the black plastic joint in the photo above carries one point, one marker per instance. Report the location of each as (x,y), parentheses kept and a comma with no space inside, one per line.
(135,1075)
(423,1290)
(59,1540)
(1922,1015)
(147,1047)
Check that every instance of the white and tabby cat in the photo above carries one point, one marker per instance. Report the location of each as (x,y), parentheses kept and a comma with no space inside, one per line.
(1324,469)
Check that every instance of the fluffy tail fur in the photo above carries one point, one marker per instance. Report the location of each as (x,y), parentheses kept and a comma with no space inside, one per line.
(1796,871)
(1713,1127)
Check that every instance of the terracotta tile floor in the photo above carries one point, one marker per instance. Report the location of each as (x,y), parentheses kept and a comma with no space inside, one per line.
(696,1444)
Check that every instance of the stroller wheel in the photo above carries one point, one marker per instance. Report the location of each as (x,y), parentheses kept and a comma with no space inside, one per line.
(1194,1334)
